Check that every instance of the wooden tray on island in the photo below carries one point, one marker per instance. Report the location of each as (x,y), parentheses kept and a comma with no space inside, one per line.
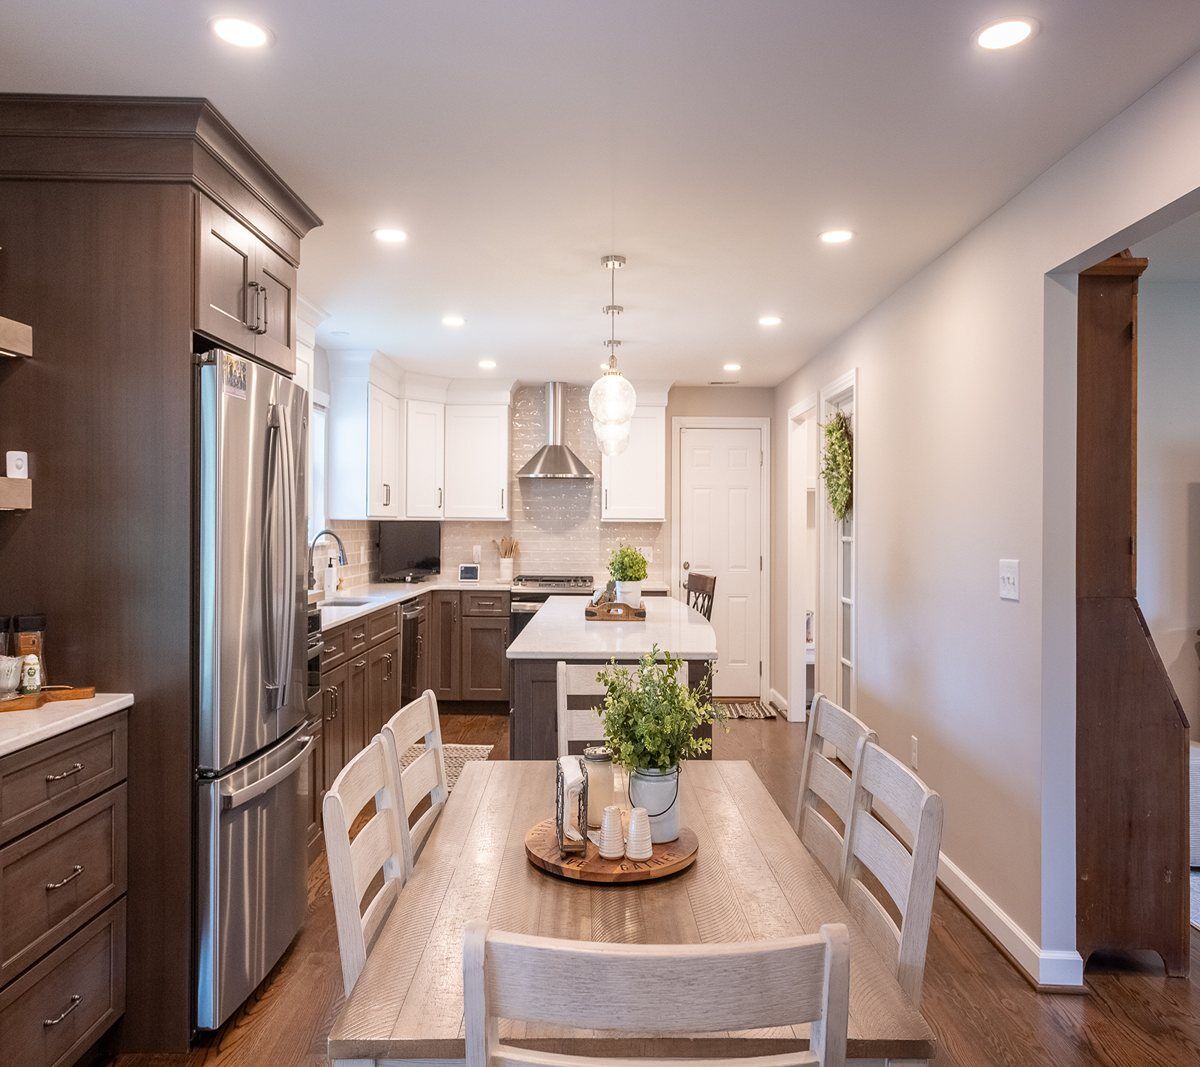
(35,700)
(613,611)
(670,857)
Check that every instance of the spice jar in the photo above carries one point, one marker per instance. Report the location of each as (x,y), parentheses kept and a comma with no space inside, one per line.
(598,763)
(29,639)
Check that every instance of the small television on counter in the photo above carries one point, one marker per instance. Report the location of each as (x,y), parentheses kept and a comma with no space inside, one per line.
(409,550)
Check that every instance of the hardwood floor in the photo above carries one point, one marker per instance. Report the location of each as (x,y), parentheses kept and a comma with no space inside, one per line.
(983,1011)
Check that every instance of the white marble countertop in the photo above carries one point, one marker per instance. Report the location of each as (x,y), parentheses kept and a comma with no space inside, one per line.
(20,729)
(560,631)
(384,594)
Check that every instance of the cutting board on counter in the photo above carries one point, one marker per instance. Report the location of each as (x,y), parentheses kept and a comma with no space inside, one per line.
(47,696)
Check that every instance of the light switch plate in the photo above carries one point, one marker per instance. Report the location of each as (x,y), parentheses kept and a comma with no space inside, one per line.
(1010,579)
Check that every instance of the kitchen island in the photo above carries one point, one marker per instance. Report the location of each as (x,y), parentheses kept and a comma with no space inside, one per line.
(559,632)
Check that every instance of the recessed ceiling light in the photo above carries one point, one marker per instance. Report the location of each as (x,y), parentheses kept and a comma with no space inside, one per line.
(241,32)
(487,364)
(770,320)
(341,333)
(732,367)
(837,237)
(453,321)
(1005,33)
(390,236)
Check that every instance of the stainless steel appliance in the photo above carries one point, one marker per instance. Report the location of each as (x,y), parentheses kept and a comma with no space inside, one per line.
(554,459)
(252,672)
(413,676)
(531,591)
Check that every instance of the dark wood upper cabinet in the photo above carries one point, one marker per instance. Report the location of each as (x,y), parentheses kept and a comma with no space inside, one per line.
(484,640)
(245,290)
(445,659)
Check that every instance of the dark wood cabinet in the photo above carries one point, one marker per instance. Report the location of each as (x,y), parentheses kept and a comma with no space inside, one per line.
(333,736)
(245,290)
(355,720)
(383,684)
(316,790)
(484,640)
(445,651)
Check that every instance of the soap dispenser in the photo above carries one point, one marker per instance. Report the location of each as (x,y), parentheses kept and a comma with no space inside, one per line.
(331,579)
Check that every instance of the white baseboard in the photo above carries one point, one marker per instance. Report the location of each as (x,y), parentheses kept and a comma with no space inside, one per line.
(1046,967)
(776,698)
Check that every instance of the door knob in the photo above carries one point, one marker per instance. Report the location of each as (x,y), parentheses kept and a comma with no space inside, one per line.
(686,565)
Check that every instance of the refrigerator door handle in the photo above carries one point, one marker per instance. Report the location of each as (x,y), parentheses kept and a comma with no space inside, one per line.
(275,584)
(236,798)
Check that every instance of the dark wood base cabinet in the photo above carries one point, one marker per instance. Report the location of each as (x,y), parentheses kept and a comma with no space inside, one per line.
(469,638)
(62,893)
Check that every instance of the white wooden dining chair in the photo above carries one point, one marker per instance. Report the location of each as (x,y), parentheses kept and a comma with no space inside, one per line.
(414,723)
(884,786)
(832,731)
(579,698)
(355,864)
(676,989)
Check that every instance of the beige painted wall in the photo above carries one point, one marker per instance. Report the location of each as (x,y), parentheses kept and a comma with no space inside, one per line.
(964,457)
(1168,534)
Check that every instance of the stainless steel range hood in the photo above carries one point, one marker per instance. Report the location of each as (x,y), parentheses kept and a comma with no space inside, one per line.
(554,459)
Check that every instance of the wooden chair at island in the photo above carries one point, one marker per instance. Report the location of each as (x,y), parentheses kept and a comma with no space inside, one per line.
(908,877)
(672,989)
(425,777)
(355,864)
(579,698)
(701,588)
(827,779)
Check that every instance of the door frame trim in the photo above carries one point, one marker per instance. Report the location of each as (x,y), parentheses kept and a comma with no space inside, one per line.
(724,422)
(803,568)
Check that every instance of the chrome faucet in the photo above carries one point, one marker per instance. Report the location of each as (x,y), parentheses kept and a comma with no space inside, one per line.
(312,574)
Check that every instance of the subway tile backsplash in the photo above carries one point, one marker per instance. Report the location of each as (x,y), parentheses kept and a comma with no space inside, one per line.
(557,523)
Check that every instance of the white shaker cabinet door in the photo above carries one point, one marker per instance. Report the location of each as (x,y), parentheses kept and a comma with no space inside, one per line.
(476,461)
(383,454)
(424,457)
(634,483)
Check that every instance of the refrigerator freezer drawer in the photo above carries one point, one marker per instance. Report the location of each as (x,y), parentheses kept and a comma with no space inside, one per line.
(251,874)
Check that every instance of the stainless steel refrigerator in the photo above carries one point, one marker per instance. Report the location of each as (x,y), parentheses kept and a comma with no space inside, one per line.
(252,753)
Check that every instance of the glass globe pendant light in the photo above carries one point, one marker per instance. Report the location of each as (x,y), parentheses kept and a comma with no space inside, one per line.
(612,399)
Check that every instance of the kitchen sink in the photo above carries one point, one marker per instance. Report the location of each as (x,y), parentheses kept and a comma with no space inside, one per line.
(345,602)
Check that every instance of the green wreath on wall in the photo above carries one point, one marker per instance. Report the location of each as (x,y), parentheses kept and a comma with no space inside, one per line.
(837,464)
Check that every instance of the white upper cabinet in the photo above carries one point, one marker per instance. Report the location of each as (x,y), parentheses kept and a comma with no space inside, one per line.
(425,459)
(476,461)
(383,452)
(634,483)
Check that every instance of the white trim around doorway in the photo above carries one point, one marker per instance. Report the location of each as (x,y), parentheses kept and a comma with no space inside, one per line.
(803,563)
(708,422)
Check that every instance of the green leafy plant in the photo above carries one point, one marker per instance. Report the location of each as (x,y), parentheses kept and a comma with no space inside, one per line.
(650,714)
(837,464)
(627,564)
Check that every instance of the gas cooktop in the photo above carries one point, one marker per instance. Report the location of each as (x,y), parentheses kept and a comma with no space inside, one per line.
(554,581)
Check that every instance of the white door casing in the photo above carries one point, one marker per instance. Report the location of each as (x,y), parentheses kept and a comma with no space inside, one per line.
(802,551)
(721,478)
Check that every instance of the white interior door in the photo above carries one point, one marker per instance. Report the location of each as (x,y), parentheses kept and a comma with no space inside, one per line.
(721,487)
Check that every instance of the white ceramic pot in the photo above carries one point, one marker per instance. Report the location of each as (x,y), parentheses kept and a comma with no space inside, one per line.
(630,593)
(506,569)
(658,793)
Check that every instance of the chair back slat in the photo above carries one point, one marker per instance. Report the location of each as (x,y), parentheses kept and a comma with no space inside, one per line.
(579,697)
(828,779)
(874,921)
(682,988)
(886,795)
(701,589)
(355,863)
(416,723)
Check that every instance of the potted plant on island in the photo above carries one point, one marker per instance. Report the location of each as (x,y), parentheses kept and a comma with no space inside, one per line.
(627,568)
(651,718)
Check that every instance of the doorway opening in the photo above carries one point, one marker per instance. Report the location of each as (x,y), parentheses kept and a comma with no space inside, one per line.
(802,556)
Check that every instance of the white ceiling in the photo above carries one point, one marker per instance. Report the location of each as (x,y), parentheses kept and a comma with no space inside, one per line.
(708,141)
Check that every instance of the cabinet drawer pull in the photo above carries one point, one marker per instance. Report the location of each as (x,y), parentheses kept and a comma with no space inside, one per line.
(75,768)
(76,871)
(360,663)
(360,637)
(75,999)
(331,649)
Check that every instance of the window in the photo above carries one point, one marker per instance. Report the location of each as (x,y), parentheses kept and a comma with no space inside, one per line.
(317,519)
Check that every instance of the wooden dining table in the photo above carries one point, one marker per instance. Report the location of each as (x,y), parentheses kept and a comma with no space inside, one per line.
(752,879)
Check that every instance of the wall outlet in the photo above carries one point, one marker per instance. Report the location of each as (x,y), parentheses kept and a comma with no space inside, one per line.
(912,762)
(477,554)
(1010,579)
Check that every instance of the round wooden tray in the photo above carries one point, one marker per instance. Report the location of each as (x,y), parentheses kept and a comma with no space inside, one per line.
(670,857)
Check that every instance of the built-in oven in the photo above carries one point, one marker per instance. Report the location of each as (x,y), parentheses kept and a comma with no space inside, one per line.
(314,645)
(414,673)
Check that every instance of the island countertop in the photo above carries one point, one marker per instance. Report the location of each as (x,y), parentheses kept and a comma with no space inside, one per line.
(559,631)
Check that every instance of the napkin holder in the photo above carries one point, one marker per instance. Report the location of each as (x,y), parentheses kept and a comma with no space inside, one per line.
(567,846)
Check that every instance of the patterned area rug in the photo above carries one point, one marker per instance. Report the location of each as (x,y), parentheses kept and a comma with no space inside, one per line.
(1196,899)
(455,756)
(754,709)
